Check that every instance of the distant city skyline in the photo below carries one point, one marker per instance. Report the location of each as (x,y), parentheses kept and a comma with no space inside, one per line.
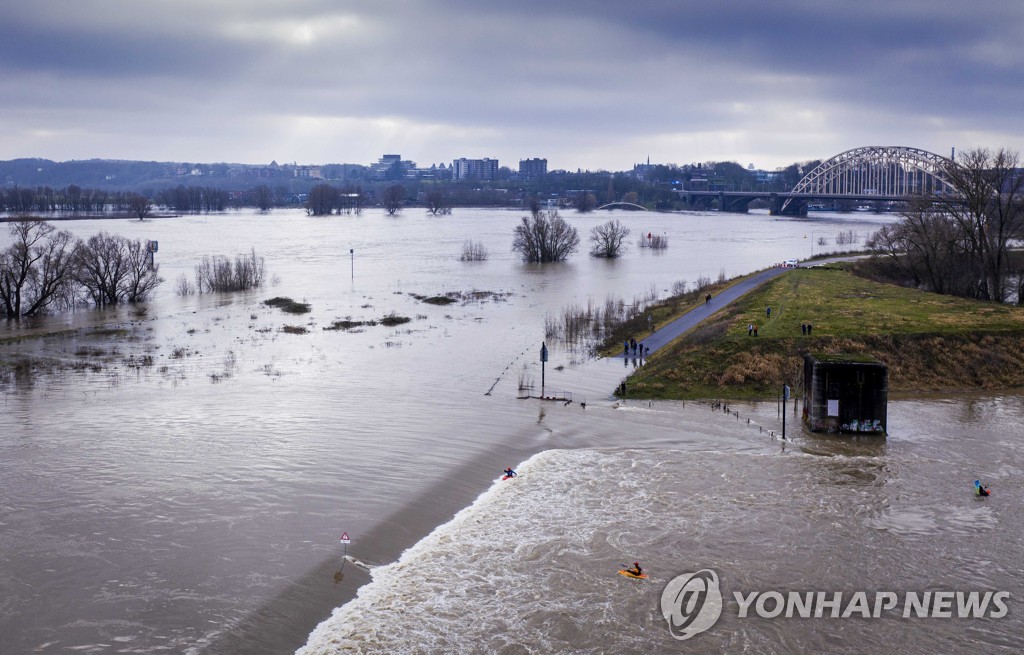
(582,84)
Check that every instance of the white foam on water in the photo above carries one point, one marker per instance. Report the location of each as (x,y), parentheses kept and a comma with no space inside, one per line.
(531,565)
(495,577)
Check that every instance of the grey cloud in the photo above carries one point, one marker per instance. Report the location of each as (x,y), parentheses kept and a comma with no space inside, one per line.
(563,75)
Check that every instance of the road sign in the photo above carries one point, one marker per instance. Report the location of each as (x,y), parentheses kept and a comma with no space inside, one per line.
(345,539)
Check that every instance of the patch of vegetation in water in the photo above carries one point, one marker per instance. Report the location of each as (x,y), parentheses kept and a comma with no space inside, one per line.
(347,324)
(288,305)
(393,319)
(294,329)
(463,297)
(439,300)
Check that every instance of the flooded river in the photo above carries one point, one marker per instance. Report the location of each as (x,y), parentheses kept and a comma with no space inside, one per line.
(180,483)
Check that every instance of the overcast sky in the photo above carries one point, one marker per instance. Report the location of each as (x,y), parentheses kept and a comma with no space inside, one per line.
(598,84)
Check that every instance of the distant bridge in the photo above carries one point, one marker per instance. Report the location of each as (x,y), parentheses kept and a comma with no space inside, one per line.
(870,173)
(629,205)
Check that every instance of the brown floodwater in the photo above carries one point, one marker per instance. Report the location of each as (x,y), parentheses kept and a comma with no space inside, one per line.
(180,483)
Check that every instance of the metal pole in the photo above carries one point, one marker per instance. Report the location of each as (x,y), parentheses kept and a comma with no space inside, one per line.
(785,397)
(352,255)
(783,417)
(543,359)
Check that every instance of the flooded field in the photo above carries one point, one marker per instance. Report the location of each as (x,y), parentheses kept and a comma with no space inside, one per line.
(178,479)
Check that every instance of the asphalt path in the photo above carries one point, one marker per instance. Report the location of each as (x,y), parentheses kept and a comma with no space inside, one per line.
(668,333)
(665,335)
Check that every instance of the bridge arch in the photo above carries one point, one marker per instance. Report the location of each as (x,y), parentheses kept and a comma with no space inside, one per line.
(631,205)
(883,171)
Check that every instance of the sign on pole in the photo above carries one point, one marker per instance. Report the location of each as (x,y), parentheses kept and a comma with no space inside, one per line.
(345,539)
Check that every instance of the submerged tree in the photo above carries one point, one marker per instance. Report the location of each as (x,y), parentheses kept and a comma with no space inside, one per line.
(545,238)
(323,198)
(140,205)
(394,198)
(608,239)
(36,269)
(113,269)
(438,202)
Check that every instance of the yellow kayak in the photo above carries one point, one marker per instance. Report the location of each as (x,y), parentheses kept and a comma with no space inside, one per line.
(630,574)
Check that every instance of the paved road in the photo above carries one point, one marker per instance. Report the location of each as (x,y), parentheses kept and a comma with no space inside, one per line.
(664,335)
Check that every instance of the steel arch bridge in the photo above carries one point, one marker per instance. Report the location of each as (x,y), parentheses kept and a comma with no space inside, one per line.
(876,171)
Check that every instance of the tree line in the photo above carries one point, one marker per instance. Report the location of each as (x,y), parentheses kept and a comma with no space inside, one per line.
(46,200)
(45,268)
(965,244)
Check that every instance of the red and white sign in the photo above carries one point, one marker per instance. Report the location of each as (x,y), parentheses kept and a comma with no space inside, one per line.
(345,539)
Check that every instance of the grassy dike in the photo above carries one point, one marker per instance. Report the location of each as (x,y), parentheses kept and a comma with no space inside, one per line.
(930,342)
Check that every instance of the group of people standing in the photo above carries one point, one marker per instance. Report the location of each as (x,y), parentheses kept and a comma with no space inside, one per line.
(634,346)
(805,328)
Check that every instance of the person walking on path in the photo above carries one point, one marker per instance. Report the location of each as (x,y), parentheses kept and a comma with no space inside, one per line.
(767,312)
(755,329)
(707,299)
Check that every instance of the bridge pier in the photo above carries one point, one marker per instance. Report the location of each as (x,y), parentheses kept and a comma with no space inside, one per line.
(797,206)
(696,203)
(734,205)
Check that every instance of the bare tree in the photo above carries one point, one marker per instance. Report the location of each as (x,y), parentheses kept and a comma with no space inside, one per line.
(263,197)
(140,205)
(140,279)
(36,268)
(473,251)
(608,239)
(989,212)
(437,202)
(101,268)
(323,198)
(960,245)
(394,198)
(545,238)
(221,274)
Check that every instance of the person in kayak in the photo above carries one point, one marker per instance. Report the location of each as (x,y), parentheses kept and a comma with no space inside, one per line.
(635,569)
(509,473)
(981,489)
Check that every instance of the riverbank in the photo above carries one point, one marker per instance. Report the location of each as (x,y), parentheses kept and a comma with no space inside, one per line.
(930,342)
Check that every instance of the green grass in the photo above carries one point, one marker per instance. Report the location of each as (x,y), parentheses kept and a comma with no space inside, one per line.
(929,342)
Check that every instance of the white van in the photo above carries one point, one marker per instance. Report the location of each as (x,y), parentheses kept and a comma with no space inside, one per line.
(791,263)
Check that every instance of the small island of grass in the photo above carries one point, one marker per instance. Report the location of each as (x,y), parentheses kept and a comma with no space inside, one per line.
(288,305)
